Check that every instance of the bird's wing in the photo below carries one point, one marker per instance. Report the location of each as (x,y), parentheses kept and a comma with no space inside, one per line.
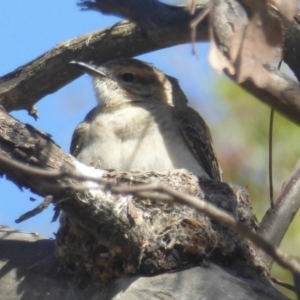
(79,133)
(77,139)
(198,137)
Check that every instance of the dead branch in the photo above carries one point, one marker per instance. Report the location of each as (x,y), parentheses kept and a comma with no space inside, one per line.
(277,220)
(22,88)
(41,207)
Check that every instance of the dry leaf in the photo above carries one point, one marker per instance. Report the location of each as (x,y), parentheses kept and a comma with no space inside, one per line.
(257,43)
(252,43)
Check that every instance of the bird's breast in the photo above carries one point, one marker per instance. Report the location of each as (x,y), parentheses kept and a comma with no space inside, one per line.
(138,138)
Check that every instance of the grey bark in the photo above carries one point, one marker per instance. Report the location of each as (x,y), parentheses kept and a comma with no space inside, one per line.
(29,271)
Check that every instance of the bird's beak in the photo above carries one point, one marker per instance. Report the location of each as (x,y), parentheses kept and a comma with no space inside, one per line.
(87,68)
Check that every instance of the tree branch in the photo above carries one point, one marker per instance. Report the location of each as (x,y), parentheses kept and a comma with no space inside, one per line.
(277,220)
(167,27)
(25,86)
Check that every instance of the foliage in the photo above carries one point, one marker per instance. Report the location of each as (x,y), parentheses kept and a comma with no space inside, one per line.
(242,145)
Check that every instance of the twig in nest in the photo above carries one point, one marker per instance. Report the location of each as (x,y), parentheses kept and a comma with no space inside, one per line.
(218,215)
(64,171)
(283,284)
(14,164)
(41,207)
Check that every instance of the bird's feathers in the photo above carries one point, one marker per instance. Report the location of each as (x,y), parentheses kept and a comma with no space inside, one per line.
(158,94)
(80,133)
(198,137)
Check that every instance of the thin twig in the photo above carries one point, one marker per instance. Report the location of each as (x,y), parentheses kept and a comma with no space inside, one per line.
(191,6)
(271,151)
(64,171)
(283,284)
(14,164)
(271,157)
(195,22)
(41,207)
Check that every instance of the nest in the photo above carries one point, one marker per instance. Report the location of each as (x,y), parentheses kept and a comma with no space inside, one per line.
(108,235)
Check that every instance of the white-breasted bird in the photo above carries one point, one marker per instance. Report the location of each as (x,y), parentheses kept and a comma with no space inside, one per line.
(142,121)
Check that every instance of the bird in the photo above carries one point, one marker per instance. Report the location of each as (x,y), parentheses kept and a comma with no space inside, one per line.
(142,121)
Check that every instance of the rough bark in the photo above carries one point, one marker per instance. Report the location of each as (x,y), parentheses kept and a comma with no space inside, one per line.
(29,271)
(168,26)
(22,88)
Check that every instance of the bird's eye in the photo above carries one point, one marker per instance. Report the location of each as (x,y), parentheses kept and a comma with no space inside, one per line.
(128,77)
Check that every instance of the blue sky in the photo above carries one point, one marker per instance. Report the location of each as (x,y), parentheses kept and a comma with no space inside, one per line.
(31,28)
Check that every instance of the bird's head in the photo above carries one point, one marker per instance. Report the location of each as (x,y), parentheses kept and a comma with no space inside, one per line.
(129,80)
